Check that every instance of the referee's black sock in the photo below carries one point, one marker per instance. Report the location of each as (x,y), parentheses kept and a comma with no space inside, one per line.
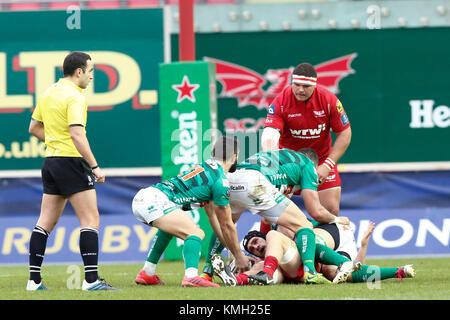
(38,243)
(89,253)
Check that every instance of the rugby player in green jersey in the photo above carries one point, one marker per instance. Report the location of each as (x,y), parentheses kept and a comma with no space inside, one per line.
(258,186)
(160,206)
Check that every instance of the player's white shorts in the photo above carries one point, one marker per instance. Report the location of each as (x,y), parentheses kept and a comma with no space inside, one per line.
(150,204)
(347,241)
(251,190)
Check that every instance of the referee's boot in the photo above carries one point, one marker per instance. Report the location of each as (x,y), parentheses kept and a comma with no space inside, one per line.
(99,284)
(33,286)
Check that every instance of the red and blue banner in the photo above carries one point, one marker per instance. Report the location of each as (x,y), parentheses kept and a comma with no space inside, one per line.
(411,211)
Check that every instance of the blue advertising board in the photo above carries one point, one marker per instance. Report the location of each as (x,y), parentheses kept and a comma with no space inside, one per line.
(411,212)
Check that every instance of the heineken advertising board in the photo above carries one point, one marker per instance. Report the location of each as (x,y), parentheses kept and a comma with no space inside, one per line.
(123,118)
(394,87)
(188,128)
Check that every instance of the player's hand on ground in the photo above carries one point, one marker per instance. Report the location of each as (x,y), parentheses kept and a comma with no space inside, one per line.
(99,175)
(366,237)
(322,173)
(342,220)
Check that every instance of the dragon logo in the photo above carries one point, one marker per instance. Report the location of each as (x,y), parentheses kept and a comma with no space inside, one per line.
(247,85)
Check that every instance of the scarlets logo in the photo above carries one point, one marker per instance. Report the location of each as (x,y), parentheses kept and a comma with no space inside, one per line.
(247,85)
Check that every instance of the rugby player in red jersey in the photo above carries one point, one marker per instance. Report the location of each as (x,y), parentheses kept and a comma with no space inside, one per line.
(302,116)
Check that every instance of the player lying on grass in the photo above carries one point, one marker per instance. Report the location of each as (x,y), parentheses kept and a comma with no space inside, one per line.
(160,206)
(259,185)
(283,265)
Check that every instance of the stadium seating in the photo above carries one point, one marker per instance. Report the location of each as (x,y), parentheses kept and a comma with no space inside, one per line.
(62,5)
(142,3)
(96,4)
(103,4)
(175,2)
(25,6)
(220,1)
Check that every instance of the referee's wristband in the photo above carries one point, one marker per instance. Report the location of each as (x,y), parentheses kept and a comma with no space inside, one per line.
(329,163)
(94,167)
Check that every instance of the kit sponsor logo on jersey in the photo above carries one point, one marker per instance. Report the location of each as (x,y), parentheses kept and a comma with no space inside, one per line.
(271,109)
(238,187)
(320,113)
(339,106)
(309,133)
(184,199)
(331,177)
(293,115)
(344,119)
(278,176)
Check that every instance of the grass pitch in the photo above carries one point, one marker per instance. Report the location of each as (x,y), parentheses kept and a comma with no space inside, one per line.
(432,282)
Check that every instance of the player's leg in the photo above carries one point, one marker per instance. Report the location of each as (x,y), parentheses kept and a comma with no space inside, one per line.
(375,273)
(179,224)
(51,208)
(148,205)
(85,205)
(216,247)
(295,220)
(147,275)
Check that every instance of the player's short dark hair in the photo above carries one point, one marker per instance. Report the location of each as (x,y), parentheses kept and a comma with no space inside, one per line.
(225,148)
(305,69)
(250,235)
(311,154)
(75,60)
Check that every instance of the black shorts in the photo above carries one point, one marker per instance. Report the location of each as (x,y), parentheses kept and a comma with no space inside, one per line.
(66,175)
(333,230)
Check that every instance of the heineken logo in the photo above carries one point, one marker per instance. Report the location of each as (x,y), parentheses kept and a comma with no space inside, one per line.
(425,115)
(186,153)
(185,90)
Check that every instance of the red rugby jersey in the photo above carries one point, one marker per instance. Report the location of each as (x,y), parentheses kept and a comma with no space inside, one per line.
(307,124)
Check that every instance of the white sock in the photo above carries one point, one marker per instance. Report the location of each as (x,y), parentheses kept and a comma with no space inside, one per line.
(191,272)
(149,268)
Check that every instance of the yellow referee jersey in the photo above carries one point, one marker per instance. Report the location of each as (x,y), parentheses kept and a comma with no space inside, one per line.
(61,105)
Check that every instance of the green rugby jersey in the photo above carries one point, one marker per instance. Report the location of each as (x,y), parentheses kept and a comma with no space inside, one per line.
(202,182)
(284,168)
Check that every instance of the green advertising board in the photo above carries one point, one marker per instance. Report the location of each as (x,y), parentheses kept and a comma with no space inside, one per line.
(393,84)
(188,128)
(123,118)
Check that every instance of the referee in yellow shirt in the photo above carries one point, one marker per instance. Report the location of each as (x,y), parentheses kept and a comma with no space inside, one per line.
(69,170)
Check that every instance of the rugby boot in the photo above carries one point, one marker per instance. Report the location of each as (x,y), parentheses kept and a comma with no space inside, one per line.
(406,271)
(197,282)
(223,271)
(345,269)
(146,280)
(315,278)
(261,278)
